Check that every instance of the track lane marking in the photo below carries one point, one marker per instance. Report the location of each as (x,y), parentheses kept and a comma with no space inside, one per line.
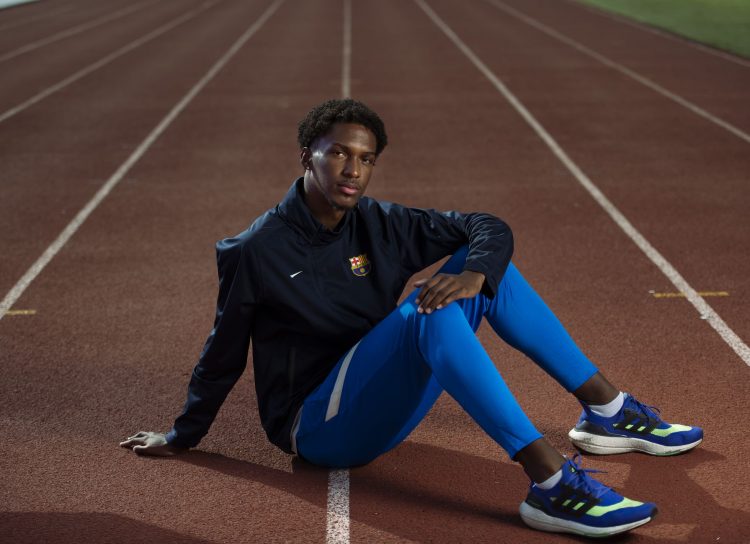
(646,27)
(337,509)
(346,53)
(12,3)
(20,312)
(15,293)
(73,31)
(620,68)
(337,516)
(105,60)
(683,295)
(703,308)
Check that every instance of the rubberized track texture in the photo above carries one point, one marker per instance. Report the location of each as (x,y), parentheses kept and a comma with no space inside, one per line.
(131,143)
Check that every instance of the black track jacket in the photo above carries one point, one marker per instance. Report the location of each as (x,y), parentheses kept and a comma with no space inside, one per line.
(306,295)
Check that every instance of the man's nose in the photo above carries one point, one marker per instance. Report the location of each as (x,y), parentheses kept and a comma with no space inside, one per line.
(351,169)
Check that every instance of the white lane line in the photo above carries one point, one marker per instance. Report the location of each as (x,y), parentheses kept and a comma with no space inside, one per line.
(622,69)
(346,53)
(11,3)
(646,27)
(73,31)
(104,61)
(337,524)
(36,268)
(705,311)
(44,15)
(337,518)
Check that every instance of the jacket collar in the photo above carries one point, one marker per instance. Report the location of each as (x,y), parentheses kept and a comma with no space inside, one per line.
(293,210)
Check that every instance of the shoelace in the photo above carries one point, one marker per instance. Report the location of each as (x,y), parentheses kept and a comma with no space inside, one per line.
(584,482)
(649,411)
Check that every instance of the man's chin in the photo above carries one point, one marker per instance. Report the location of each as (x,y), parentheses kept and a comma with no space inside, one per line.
(346,204)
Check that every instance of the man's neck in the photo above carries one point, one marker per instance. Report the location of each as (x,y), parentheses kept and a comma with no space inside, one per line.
(322,210)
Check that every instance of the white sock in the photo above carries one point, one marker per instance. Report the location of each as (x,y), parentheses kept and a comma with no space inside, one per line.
(609,409)
(550,482)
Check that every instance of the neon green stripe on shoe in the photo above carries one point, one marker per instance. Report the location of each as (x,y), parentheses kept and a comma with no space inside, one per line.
(597,511)
(671,429)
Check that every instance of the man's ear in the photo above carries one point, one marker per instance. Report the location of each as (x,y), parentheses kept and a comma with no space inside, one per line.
(305,158)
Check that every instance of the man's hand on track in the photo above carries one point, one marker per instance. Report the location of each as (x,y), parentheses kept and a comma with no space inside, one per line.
(442,289)
(151,443)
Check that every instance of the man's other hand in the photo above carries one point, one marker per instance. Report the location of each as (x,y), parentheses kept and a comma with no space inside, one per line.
(150,443)
(442,289)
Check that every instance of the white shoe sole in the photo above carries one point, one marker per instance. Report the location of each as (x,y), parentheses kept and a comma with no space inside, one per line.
(536,519)
(608,445)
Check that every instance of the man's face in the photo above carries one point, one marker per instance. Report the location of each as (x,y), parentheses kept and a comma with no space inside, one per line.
(339,164)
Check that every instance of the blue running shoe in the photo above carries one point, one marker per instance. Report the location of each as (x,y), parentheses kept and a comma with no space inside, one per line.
(636,427)
(579,504)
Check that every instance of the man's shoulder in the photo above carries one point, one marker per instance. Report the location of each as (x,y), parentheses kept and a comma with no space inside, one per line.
(263,229)
(369,206)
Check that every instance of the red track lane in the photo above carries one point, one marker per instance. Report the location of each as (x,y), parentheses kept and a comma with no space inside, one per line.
(224,161)
(123,310)
(91,127)
(44,67)
(593,276)
(11,19)
(79,13)
(680,179)
(711,82)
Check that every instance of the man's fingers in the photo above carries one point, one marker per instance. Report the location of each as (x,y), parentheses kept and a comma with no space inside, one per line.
(426,285)
(437,294)
(445,297)
(428,293)
(132,442)
(450,297)
(431,299)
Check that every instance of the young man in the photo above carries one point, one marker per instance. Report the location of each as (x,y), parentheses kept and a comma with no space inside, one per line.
(343,375)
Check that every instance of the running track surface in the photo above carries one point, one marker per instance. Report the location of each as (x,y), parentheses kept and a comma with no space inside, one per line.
(101,343)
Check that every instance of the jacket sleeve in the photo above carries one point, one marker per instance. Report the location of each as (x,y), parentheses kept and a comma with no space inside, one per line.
(426,236)
(224,354)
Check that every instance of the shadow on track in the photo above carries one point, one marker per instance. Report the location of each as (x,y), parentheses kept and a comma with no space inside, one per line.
(74,528)
(419,491)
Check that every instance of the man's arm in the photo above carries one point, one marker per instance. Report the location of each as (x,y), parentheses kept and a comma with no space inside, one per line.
(426,236)
(222,360)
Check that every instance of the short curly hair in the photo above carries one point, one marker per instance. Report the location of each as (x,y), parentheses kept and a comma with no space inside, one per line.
(321,118)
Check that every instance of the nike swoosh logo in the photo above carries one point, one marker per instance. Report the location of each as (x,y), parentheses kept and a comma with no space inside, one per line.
(295,274)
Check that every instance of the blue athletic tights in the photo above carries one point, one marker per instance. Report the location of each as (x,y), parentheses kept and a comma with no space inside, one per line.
(382,388)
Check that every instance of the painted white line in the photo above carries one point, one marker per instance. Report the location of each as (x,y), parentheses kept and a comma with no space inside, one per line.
(705,311)
(73,31)
(622,69)
(10,3)
(104,61)
(663,33)
(44,15)
(67,233)
(337,518)
(346,54)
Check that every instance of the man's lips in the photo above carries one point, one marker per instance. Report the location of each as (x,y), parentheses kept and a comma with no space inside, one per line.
(348,188)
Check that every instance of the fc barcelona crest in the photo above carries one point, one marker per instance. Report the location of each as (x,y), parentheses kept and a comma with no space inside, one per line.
(360,265)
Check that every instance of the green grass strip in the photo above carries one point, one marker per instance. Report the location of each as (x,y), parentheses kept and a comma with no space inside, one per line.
(721,23)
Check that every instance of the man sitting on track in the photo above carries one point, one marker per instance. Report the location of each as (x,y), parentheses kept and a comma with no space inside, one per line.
(343,374)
